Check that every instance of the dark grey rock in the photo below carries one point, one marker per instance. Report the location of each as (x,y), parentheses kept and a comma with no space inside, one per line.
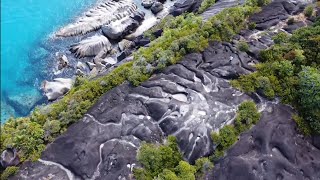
(182,6)
(273,149)
(292,27)
(156,7)
(272,14)
(35,171)
(140,41)
(9,157)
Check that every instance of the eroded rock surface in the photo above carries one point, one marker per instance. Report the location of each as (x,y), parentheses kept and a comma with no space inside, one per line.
(273,149)
(188,100)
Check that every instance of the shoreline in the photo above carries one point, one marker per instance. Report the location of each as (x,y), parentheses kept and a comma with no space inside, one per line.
(49,48)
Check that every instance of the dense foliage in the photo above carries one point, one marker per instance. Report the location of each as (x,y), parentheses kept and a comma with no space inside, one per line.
(290,70)
(247,116)
(205,5)
(181,35)
(164,162)
(10,171)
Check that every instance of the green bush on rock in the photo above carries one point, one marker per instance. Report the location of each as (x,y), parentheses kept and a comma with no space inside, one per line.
(247,116)
(290,70)
(205,5)
(9,171)
(181,35)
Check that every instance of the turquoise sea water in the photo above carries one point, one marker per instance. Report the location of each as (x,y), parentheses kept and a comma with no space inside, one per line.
(24,25)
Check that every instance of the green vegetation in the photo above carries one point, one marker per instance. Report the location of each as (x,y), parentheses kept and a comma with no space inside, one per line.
(205,5)
(252,25)
(181,35)
(259,3)
(9,171)
(308,11)
(290,70)
(243,46)
(164,162)
(290,21)
(247,116)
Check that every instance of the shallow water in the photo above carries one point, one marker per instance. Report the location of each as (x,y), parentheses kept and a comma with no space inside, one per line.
(25,24)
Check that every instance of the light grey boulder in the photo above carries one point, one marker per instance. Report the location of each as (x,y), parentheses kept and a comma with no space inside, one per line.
(81,66)
(119,29)
(91,46)
(56,88)
(125,44)
(91,65)
(62,61)
(147,3)
(103,13)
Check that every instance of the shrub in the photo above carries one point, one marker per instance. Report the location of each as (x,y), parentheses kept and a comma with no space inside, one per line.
(9,171)
(281,37)
(259,3)
(203,165)
(252,25)
(302,125)
(156,158)
(308,11)
(243,46)
(247,115)
(290,21)
(163,162)
(205,5)
(223,140)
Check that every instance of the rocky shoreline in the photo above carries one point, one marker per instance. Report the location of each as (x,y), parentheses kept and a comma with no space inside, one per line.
(188,100)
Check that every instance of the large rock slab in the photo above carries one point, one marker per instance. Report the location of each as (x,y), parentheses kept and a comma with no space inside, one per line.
(188,100)
(273,13)
(273,149)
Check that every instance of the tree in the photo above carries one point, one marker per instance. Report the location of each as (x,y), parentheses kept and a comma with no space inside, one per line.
(309,96)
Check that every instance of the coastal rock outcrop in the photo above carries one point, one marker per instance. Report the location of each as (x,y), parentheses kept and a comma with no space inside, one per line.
(188,100)
(56,88)
(103,13)
(156,7)
(119,29)
(91,46)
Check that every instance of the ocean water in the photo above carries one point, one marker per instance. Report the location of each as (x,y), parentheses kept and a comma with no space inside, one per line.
(25,25)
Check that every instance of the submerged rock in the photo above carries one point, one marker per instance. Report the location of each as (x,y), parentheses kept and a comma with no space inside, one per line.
(9,157)
(24,102)
(56,88)
(91,46)
(62,61)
